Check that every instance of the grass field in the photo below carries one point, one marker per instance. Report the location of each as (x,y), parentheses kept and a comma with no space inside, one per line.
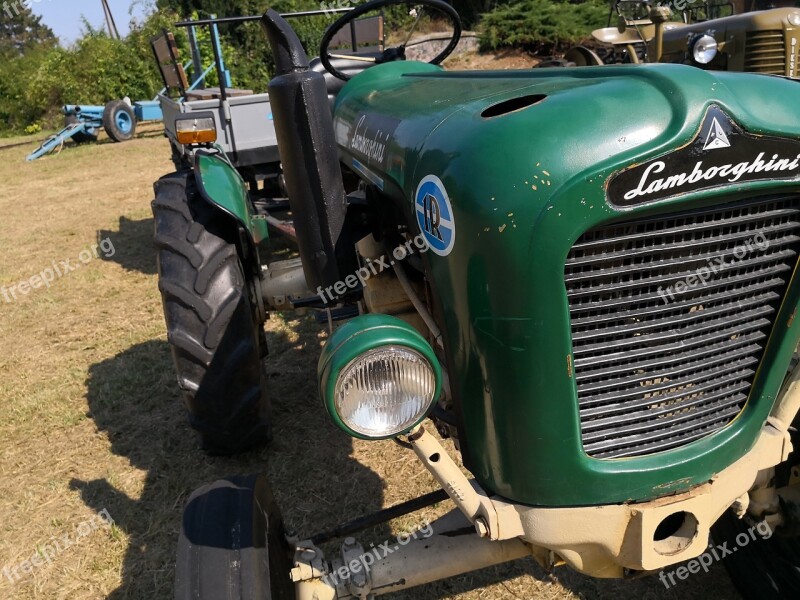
(90,417)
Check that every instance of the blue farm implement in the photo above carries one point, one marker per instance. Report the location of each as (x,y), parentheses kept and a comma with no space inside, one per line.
(119,118)
(83,123)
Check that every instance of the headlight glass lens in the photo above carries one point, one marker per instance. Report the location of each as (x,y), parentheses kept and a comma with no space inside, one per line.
(385,391)
(794,18)
(704,49)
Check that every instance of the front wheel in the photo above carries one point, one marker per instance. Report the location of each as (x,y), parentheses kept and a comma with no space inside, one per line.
(765,564)
(232,544)
(761,567)
(216,340)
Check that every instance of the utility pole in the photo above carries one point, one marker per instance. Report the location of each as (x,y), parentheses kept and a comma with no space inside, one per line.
(112,26)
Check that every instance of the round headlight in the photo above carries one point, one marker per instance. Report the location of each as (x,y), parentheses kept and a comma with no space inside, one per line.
(704,49)
(385,391)
(378,377)
(794,18)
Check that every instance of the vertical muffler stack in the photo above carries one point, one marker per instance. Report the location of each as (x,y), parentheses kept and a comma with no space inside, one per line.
(310,159)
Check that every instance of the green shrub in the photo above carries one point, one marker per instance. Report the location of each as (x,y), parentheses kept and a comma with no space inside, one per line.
(251,63)
(97,69)
(15,112)
(35,85)
(542,25)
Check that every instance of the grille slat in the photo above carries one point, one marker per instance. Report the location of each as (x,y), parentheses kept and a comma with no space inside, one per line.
(728,333)
(682,245)
(650,390)
(679,413)
(638,299)
(673,277)
(656,441)
(680,319)
(678,259)
(652,340)
(681,363)
(765,52)
(619,410)
(669,358)
(660,362)
(683,229)
(668,373)
(595,319)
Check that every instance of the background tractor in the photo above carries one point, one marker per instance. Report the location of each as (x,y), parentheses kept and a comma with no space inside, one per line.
(600,311)
(707,35)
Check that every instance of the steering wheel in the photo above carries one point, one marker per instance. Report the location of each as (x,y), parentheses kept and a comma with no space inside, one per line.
(395,53)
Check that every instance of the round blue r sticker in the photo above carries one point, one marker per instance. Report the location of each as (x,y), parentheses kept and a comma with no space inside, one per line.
(435,215)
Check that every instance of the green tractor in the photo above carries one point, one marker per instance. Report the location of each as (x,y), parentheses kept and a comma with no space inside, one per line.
(597,299)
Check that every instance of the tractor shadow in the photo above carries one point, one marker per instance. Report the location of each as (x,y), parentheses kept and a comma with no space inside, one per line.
(134,400)
(133,245)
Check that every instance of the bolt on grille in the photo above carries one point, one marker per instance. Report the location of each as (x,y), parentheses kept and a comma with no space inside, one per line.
(765,52)
(670,316)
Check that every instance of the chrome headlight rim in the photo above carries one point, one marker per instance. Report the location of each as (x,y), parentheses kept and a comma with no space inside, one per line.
(352,341)
(372,355)
(704,44)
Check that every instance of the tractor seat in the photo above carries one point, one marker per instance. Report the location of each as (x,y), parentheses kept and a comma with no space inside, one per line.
(347,66)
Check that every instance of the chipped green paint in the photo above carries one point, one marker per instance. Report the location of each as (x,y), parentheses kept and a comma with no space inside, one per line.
(501,290)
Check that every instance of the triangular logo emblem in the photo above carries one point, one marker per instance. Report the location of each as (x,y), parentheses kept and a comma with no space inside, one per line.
(716,137)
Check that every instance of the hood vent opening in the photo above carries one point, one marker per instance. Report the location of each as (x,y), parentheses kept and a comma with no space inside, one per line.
(512,105)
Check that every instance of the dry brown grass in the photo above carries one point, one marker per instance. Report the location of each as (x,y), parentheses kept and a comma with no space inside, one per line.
(90,417)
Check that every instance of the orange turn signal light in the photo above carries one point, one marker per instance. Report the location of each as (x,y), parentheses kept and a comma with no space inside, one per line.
(196,131)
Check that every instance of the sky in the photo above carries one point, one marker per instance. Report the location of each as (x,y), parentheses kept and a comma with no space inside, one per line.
(64,16)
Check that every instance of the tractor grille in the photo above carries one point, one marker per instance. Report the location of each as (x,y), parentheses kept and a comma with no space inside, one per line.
(661,360)
(765,52)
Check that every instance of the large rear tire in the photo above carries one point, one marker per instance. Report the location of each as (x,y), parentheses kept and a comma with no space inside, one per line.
(119,121)
(215,337)
(232,544)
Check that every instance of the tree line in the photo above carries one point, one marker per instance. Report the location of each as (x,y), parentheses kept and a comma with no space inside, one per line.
(38,75)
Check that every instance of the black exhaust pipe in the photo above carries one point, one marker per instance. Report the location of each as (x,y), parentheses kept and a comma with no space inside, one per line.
(307,147)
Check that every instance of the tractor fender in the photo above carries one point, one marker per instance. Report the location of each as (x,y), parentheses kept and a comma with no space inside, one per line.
(583,57)
(221,186)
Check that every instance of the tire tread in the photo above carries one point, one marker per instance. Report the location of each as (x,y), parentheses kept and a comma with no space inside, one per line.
(210,324)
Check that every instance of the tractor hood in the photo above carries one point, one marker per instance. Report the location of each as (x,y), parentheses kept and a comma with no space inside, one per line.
(395,119)
(503,172)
